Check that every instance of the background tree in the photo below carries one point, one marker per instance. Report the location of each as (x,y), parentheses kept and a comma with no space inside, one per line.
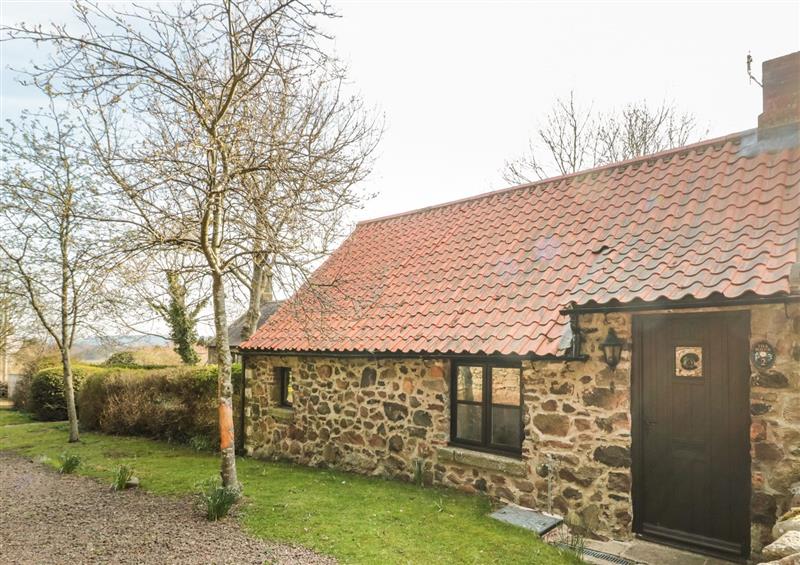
(175,99)
(320,148)
(181,317)
(53,251)
(575,137)
(145,277)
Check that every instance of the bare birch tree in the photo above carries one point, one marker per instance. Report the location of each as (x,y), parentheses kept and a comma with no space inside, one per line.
(575,137)
(51,248)
(176,98)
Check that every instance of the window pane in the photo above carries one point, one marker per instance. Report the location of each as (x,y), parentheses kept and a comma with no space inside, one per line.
(505,386)
(505,426)
(470,383)
(468,422)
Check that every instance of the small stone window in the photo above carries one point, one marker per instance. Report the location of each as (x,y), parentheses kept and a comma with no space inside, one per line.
(487,407)
(283,378)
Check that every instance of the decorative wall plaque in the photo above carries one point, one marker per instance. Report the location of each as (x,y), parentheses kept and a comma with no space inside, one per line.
(689,361)
(762,355)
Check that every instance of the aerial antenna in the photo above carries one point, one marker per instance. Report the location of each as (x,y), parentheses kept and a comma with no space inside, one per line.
(750,70)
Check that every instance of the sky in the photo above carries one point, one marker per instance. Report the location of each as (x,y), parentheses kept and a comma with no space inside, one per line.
(463,85)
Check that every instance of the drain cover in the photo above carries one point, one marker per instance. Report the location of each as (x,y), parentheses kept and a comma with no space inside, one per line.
(527,518)
(601,555)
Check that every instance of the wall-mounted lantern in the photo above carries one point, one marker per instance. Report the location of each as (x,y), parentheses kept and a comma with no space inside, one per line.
(612,348)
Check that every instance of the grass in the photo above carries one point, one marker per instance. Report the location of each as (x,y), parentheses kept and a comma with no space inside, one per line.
(354,518)
(9,417)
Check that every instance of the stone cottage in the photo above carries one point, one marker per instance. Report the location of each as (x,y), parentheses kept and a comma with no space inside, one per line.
(620,346)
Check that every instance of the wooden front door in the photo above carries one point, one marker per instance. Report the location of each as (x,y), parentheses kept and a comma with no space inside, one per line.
(691,466)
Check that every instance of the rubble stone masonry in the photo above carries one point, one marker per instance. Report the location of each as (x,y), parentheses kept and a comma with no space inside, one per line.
(390,417)
(775,418)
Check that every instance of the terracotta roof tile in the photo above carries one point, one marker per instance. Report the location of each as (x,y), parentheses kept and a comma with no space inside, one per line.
(490,274)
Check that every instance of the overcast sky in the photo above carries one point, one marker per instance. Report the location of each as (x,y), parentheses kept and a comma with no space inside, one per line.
(463,84)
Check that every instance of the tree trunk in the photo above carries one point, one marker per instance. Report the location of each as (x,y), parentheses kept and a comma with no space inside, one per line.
(69,393)
(67,331)
(225,386)
(260,292)
(4,333)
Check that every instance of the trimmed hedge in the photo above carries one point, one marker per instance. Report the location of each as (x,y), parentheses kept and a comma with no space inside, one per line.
(175,404)
(47,400)
(126,360)
(45,395)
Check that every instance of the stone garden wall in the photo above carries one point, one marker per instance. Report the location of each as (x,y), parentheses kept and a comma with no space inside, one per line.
(390,417)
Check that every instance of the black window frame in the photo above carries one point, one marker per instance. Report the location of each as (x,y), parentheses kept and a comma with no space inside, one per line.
(284,375)
(486,407)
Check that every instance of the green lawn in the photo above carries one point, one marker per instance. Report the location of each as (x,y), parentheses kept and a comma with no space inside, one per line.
(357,519)
(8,417)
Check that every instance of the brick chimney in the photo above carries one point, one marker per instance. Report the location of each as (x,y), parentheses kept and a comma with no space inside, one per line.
(781,91)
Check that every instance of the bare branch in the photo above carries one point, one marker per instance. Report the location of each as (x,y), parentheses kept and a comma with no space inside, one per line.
(575,138)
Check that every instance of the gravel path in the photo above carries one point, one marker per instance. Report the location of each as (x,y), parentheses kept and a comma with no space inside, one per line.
(50,518)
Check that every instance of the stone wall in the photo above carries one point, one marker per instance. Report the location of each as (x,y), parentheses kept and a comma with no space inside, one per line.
(775,418)
(390,417)
(375,416)
(578,418)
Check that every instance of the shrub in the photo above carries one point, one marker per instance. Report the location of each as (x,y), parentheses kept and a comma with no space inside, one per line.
(22,393)
(122,475)
(30,367)
(68,462)
(47,401)
(39,362)
(216,500)
(175,404)
(91,400)
(3,390)
(121,359)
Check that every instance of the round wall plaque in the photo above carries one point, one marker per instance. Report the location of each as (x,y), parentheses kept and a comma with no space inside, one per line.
(762,355)
(690,361)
